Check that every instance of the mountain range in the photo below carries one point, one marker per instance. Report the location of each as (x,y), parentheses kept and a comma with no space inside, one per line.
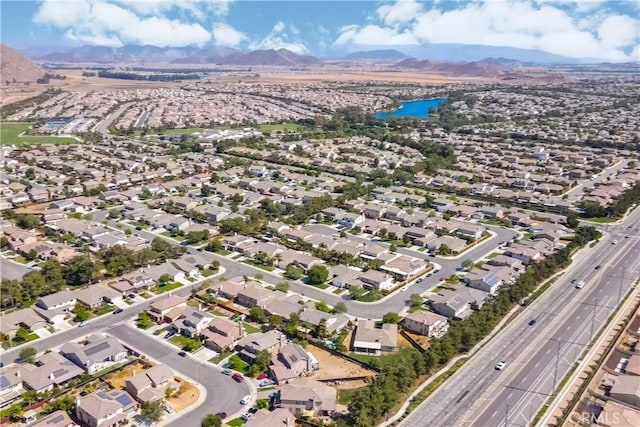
(16,67)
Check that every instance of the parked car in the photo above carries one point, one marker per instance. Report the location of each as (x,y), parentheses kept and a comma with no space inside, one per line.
(168,335)
(267,383)
(404,288)
(263,376)
(221,415)
(500,366)
(419,280)
(118,311)
(182,354)
(245,416)
(83,323)
(227,371)
(245,399)
(168,409)
(237,377)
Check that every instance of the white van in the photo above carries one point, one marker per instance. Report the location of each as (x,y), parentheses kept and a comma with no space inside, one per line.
(245,400)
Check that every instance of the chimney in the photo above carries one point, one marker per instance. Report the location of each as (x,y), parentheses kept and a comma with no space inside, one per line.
(17,373)
(52,376)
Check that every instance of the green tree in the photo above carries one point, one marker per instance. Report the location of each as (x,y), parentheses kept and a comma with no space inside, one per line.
(467,264)
(144,321)
(211,421)
(416,300)
(444,250)
(81,312)
(321,329)
(282,287)
(257,314)
(294,273)
(28,354)
(27,222)
(262,361)
(318,274)
(340,308)
(356,292)
(79,271)
(152,410)
(322,306)
(391,317)
(235,362)
(114,214)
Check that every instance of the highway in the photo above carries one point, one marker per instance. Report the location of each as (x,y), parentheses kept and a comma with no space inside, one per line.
(567,320)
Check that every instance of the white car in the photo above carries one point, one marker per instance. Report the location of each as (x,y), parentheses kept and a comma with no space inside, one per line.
(615,242)
(168,408)
(245,416)
(500,366)
(404,288)
(580,284)
(245,399)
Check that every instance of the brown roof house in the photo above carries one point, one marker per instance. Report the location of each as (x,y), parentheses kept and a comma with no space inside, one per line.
(159,309)
(150,385)
(308,397)
(222,334)
(292,361)
(371,340)
(104,408)
(279,417)
(425,323)
(55,419)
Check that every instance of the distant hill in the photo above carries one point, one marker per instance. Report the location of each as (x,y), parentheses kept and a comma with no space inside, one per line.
(475,68)
(14,66)
(381,55)
(134,53)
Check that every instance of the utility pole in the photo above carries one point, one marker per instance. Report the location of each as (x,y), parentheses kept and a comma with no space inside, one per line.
(555,371)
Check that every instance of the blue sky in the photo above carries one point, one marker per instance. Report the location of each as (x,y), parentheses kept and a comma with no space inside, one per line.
(608,30)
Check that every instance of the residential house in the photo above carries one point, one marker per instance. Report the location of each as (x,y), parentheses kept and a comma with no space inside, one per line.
(50,370)
(252,344)
(334,322)
(104,408)
(10,385)
(59,300)
(254,296)
(99,352)
(377,280)
(160,309)
(55,419)
(150,385)
(459,303)
(191,322)
(626,389)
(291,361)
(425,323)
(371,340)
(307,396)
(483,280)
(280,417)
(403,267)
(350,220)
(222,334)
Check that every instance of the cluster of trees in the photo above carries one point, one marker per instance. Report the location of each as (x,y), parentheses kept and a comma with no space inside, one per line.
(81,270)
(149,77)
(369,404)
(14,107)
(48,76)
(616,209)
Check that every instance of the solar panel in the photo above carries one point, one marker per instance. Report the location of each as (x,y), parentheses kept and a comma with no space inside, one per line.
(56,420)
(124,399)
(97,348)
(4,382)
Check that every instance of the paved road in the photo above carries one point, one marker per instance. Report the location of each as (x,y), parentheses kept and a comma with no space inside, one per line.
(10,270)
(478,395)
(223,393)
(103,126)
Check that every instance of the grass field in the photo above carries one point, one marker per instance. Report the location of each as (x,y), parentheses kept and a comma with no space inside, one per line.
(9,135)
(281,127)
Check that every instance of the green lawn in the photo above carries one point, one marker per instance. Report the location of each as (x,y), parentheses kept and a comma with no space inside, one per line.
(9,135)
(220,357)
(258,265)
(601,220)
(104,309)
(184,131)
(207,273)
(160,289)
(250,328)
(235,422)
(280,127)
(179,341)
(18,341)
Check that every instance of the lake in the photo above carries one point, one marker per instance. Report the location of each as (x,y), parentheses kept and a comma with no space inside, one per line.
(418,109)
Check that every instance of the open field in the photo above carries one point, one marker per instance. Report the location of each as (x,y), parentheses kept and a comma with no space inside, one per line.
(185,396)
(336,367)
(9,135)
(342,75)
(118,379)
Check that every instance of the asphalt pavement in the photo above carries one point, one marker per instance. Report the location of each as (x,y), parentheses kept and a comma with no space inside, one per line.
(567,319)
(10,270)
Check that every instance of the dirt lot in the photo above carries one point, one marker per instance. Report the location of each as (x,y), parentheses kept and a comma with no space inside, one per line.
(336,367)
(117,379)
(186,396)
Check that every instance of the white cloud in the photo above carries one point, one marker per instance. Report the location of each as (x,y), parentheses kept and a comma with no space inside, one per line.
(226,35)
(278,38)
(101,22)
(374,35)
(400,12)
(544,25)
